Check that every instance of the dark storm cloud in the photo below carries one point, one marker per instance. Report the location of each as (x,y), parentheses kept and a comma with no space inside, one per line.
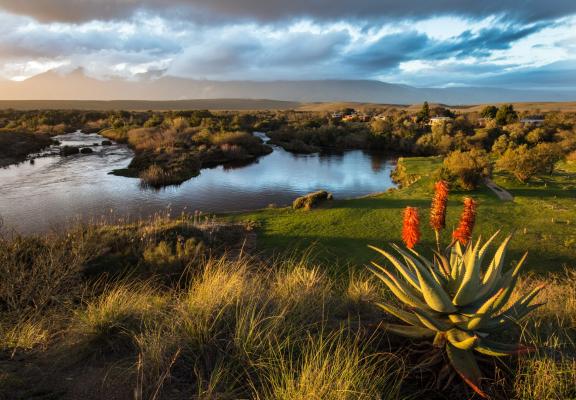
(481,43)
(275,11)
(389,51)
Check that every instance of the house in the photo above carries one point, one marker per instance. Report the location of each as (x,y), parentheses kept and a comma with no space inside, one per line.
(532,121)
(380,117)
(440,120)
(336,115)
(484,121)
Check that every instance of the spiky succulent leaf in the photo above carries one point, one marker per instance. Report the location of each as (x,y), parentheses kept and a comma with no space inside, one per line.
(470,282)
(404,271)
(399,288)
(497,349)
(414,332)
(483,313)
(510,285)
(466,366)
(405,316)
(461,339)
(434,295)
(433,322)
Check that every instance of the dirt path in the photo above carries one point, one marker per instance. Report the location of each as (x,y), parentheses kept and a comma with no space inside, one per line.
(502,194)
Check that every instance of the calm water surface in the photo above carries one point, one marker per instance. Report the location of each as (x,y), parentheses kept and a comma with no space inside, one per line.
(38,196)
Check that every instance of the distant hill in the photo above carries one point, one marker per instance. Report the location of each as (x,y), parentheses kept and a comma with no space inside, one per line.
(159,105)
(77,86)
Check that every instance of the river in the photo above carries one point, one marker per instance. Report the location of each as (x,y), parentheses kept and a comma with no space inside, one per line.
(45,193)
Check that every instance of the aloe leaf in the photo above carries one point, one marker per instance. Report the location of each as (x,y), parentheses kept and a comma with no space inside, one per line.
(485,247)
(509,318)
(443,265)
(497,263)
(391,282)
(432,322)
(461,340)
(414,332)
(483,312)
(470,285)
(465,365)
(404,271)
(498,349)
(405,316)
(434,295)
(509,287)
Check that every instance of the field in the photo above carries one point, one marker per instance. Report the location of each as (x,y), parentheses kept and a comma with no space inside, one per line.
(542,215)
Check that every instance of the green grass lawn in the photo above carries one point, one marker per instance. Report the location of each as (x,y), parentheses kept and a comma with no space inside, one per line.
(543,215)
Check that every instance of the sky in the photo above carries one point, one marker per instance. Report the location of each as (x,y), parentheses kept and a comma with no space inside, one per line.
(528,44)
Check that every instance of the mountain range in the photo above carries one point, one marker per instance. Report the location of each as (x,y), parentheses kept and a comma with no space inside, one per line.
(76,85)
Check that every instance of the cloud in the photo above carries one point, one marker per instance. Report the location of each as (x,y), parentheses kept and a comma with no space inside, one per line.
(440,43)
(389,51)
(274,11)
(482,42)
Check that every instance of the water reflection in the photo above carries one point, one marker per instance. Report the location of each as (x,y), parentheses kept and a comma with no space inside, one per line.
(35,196)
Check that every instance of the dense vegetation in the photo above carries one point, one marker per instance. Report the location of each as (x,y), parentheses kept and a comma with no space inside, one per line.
(185,311)
(190,307)
(173,146)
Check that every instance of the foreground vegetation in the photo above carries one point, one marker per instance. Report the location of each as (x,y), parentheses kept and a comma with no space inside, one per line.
(177,308)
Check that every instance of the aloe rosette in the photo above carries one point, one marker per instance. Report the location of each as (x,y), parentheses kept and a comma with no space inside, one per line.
(456,301)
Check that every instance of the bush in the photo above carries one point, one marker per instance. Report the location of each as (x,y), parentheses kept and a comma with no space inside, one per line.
(311,200)
(524,162)
(466,169)
(36,272)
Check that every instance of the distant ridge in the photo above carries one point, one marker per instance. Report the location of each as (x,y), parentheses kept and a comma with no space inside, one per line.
(159,105)
(77,86)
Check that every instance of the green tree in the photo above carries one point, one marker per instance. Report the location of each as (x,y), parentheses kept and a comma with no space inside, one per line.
(489,112)
(548,154)
(424,113)
(466,169)
(501,144)
(506,115)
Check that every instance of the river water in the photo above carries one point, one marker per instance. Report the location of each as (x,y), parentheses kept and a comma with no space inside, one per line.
(44,194)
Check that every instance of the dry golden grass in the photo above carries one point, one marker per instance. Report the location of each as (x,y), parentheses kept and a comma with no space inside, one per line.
(246,327)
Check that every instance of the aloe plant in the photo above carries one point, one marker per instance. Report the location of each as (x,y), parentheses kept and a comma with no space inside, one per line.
(457,301)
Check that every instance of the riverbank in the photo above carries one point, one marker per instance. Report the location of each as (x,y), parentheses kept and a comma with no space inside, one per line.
(542,215)
(172,156)
(15,147)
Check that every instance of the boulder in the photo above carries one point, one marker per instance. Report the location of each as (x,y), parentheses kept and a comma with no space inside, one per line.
(69,150)
(106,143)
(86,150)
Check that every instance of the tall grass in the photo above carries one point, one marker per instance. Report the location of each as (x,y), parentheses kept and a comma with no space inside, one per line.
(230,326)
(550,372)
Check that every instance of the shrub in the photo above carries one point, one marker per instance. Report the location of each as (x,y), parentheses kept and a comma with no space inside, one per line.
(524,162)
(109,321)
(36,272)
(466,169)
(311,200)
(155,176)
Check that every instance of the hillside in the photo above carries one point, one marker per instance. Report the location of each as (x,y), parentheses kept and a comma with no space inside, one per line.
(76,85)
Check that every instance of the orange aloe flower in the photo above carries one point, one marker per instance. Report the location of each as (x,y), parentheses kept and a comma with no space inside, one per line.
(438,208)
(463,233)
(411,227)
